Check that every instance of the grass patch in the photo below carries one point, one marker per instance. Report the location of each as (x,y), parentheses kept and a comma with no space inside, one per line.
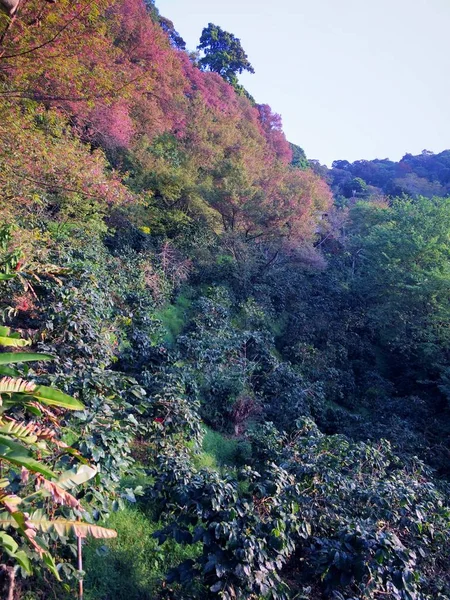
(132,566)
(204,460)
(174,318)
(227,452)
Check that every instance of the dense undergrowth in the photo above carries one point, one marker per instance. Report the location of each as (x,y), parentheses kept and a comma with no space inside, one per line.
(263,372)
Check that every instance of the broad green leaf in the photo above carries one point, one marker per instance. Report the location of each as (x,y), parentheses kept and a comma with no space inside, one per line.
(23,561)
(9,371)
(10,444)
(11,339)
(8,358)
(19,455)
(34,410)
(54,397)
(22,431)
(4,277)
(29,463)
(13,342)
(8,543)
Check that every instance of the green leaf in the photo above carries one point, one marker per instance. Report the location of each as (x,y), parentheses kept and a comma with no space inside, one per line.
(8,543)
(19,430)
(23,561)
(19,455)
(8,358)
(10,372)
(13,342)
(34,410)
(14,446)
(11,339)
(29,463)
(51,565)
(62,527)
(54,397)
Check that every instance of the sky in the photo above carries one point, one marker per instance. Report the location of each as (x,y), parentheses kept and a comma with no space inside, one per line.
(352,79)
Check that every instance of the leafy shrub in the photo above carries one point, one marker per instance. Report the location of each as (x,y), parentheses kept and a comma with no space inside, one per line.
(35,464)
(361,522)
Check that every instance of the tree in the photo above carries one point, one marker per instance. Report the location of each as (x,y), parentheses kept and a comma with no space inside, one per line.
(403,276)
(175,38)
(355,187)
(223,54)
(299,159)
(273,131)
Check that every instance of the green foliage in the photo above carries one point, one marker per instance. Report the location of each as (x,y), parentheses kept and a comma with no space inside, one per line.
(355,188)
(205,280)
(175,38)
(426,174)
(240,552)
(226,451)
(8,258)
(402,273)
(299,159)
(134,566)
(217,353)
(27,442)
(363,523)
(174,318)
(223,53)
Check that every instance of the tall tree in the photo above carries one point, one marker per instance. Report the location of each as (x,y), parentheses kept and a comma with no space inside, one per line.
(223,54)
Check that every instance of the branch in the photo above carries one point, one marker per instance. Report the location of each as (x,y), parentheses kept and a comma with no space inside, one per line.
(39,97)
(49,41)
(56,186)
(7,28)
(272,260)
(324,239)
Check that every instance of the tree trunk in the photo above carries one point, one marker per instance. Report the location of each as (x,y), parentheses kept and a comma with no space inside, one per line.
(7,582)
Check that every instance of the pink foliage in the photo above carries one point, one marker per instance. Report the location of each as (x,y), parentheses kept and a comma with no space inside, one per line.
(272,127)
(127,87)
(112,125)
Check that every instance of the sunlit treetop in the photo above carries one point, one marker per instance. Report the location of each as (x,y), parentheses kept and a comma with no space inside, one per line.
(223,53)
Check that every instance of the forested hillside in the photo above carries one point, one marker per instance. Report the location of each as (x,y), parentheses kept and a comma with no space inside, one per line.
(426,174)
(224,369)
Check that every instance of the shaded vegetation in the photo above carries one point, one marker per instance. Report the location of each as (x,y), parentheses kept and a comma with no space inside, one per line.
(257,369)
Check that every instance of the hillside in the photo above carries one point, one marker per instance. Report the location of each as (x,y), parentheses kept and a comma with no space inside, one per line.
(426,174)
(224,369)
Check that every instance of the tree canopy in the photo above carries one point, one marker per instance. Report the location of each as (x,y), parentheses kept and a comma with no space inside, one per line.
(223,54)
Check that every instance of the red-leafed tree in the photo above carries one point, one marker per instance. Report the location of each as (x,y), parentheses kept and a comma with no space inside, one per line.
(109,70)
(272,127)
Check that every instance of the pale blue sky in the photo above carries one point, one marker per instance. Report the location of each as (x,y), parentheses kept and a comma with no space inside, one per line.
(351,78)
